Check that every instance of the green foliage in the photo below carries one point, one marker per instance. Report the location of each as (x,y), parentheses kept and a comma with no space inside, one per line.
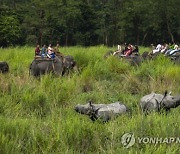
(85,22)
(9,27)
(37,115)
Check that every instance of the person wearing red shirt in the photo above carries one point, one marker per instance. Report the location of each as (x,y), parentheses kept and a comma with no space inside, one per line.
(129,50)
(37,50)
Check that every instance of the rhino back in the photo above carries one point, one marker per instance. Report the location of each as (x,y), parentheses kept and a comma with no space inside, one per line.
(150,102)
(111,111)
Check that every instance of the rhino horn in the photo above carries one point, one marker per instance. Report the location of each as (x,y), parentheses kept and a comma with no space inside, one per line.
(96,111)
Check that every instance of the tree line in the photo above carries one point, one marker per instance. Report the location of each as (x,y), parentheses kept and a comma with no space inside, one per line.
(89,22)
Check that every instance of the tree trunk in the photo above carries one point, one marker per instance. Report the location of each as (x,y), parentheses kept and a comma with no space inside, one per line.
(66,39)
(88,2)
(1,2)
(137,39)
(169,31)
(106,39)
(144,37)
(40,38)
(14,4)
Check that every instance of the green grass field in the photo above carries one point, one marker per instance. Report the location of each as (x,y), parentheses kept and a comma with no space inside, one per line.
(37,116)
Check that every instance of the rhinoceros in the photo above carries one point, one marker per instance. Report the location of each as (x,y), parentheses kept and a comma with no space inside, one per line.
(158,102)
(104,112)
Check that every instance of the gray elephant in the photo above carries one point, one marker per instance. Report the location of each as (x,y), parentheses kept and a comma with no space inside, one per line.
(134,60)
(4,67)
(58,66)
(175,59)
(42,66)
(104,112)
(158,102)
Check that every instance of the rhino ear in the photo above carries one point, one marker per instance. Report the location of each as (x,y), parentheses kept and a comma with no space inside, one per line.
(90,103)
(165,93)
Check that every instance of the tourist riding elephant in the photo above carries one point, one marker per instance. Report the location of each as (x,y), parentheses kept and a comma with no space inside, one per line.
(158,102)
(104,112)
(4,67)
(134,60)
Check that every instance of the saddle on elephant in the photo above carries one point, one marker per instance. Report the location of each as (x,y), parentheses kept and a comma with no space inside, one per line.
(39,58)
(59,54)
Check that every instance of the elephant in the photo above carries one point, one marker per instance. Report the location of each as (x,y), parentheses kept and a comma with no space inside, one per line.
(103,112)
(158,102)
(58,66)
(42,66)
(4,67)
(175,58)
(133,59)
(146,55)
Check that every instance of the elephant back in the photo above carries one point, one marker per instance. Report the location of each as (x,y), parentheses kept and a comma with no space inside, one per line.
(40,66)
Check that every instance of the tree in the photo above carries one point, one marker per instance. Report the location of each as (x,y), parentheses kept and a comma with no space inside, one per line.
(90,22)
(10,30)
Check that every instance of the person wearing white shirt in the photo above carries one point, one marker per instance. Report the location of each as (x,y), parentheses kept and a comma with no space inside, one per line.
(158,49)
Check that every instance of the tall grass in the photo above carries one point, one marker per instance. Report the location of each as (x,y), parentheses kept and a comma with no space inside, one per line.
(37,116)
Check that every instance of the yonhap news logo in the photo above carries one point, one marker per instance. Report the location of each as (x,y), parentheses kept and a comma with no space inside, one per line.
(129,139)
